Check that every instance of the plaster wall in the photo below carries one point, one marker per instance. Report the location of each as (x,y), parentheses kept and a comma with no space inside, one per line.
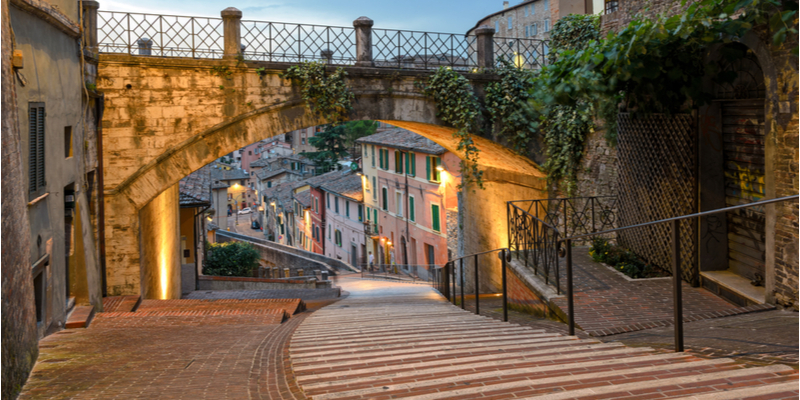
(160,246)
(351,228)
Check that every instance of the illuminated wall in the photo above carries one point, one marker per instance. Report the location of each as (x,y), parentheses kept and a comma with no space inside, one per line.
(160,246)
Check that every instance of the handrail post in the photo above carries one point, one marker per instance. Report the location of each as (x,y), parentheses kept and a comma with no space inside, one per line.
(363,27)
(477,289)
(232,24)
(676,279)
(461,275)
(570,305)
(484,36)
(505,288)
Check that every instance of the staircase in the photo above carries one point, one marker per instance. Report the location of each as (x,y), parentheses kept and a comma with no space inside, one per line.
(393,340)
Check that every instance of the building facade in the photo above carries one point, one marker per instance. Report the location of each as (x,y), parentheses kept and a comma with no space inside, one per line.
(344,217)
(409,184)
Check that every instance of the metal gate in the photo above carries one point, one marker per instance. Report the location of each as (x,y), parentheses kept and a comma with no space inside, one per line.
(743,135)
(657,180)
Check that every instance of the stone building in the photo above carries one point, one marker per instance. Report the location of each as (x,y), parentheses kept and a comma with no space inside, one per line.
(409,184)
(533,19)
(50,151)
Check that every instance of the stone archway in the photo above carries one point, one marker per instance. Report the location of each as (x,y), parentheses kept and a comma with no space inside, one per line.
(166,118)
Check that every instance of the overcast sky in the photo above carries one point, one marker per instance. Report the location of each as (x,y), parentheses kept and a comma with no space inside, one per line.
(451,16)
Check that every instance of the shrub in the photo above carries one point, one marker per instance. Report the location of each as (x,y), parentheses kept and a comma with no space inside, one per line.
(621,259)
(230,259)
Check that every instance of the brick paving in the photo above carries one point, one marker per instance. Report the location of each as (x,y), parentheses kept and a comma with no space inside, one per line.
(303,294)
(606,303)
(176,349)
(395,340)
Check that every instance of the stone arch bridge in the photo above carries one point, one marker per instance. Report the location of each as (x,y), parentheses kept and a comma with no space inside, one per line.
(166,117)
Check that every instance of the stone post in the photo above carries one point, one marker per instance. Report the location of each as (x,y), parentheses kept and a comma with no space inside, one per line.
(327,55)
(324,276)
(232,24)
(299,272)
(287,273)
(363,27)
(485,43)
(90,25)
(145,46)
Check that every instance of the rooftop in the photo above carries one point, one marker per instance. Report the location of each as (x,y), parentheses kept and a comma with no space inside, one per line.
(225,175)
(348,185)
(402,139)
(304,198)
(195,189)
(267,174)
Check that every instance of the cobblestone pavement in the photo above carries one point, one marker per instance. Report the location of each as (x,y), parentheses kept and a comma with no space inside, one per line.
(243,227)
(390,340)
(172,352)
(765,337)
(607,303)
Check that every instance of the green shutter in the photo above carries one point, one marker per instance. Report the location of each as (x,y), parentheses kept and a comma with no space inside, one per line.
(380,154)
(428,168)
(375,214)
(411,210)
(360,212)
(408,166)
(435,218)
(413,158)
(385,203)
(368,215)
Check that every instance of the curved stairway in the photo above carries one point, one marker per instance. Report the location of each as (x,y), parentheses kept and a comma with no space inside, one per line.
(392,340)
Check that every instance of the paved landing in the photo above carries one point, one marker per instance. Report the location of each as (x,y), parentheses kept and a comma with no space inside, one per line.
(393,340)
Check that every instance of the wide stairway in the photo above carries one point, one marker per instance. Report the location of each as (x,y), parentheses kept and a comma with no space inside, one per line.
(390,340)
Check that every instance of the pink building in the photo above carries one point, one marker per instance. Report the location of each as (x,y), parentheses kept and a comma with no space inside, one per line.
(410,184)
(344,215)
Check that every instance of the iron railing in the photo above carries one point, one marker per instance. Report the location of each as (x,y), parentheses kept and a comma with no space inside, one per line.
(294,43)
(677,298)
(159,35)
(203,37)
(523,53)
(536,226)
(450,279)
(401,272)
(423,50)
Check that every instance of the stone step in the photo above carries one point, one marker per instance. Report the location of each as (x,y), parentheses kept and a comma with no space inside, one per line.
(788,390)
(121,303)
(325,334)
(80,317)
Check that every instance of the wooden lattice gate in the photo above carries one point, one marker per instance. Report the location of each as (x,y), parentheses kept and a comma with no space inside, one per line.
(657,180)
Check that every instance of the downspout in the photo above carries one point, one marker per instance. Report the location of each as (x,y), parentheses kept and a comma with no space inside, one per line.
(101,204)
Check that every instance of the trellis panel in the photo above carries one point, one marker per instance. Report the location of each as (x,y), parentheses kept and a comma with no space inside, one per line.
(658,180)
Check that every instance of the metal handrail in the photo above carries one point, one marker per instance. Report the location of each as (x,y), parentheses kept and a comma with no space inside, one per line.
(443,282)
(676,273)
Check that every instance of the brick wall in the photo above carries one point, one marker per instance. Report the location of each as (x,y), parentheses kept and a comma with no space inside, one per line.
(521,298)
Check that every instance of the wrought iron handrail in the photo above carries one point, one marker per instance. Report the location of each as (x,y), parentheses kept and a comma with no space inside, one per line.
(423,50)
(445,276)
(676,273)
(522,52)
(292,42)
(535,241)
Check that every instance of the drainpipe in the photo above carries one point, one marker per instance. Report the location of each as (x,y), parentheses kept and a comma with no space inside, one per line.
(101,204)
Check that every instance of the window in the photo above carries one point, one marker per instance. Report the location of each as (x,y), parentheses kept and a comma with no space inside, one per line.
(546,5)
(380,161)
(67,141)
(269,184)
(36,149)
(329,231)
(360,212)
(547,25)
(526,11)
(411,209)
(398,161)
(399,203)
(374,192)
(533,8)
(303,141)
(534,30)
(435,218)
(375,215)
(527,31)
(385,193)
(368,216)
(497,26)
(328,198)
(411,164)
(318,236)
(336,204)
(510,23)
(347,208)
(338,238)
(611,6)
(250,153)
(431,164)
(373,155)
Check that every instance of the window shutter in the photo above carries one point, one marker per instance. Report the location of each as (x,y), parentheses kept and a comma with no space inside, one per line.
(380,154)
(413,164)
(385,193)
(411,210)
(36,159)
(435,218)
(360,212)
(375,214)
(408,165)
(368,214)
(32,131)
(428,168)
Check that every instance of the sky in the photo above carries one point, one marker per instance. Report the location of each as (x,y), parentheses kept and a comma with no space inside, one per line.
(449,16)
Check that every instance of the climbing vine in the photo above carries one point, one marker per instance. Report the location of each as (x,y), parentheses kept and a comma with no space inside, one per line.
(507,103)
(457,106)
(327,95)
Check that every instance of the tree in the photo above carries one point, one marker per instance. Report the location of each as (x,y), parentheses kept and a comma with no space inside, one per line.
(333,143)
(355,130)
(230,259)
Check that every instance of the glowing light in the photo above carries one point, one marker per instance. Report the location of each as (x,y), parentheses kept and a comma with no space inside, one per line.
(440,168)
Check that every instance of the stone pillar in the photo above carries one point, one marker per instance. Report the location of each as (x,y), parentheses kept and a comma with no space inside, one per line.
(145,46)
(90,25)
(327,55)
(232,24)
(484,35)
(363,27)
(299,272)
(159,252)
(287,273)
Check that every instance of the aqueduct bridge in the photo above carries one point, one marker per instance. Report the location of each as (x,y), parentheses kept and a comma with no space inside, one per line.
(180,92)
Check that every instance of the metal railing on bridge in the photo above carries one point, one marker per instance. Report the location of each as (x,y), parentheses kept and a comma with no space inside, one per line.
(203,37)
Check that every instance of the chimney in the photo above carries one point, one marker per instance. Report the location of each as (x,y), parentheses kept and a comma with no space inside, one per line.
(505,5)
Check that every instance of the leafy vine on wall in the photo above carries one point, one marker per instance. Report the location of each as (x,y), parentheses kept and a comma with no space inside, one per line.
(326,95)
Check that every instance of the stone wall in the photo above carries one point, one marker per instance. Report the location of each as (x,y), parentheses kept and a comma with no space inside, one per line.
(283,257)
(452,232)
(19,335)
(241,283)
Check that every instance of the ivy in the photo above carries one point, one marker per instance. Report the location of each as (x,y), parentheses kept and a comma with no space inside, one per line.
(565,130)
(507,103)
(457,106)
(326,95)
(573,32)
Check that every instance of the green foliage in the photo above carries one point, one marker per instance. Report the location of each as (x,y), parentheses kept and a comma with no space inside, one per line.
(621,259)
(230,259)
(334,142)
(565,129)
(458,107)
(222,71)
(261,72)
(325,94)
(573,32)
(507,103)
